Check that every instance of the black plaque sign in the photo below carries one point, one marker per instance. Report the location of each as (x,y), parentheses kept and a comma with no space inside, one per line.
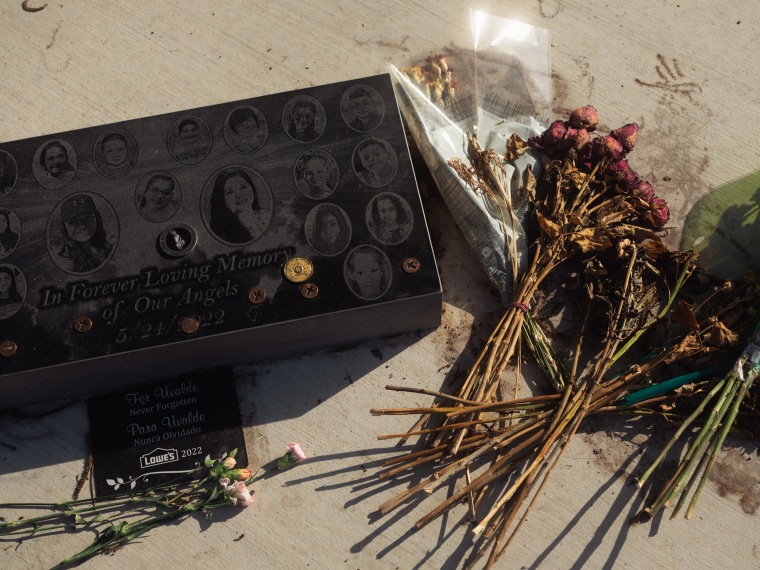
(157,432)
(152,247)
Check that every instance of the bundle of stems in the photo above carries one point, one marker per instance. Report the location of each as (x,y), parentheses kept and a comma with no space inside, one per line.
(716,412)
(588,204)
(528,449)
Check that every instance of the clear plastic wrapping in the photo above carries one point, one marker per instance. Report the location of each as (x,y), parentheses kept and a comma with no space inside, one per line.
(502,85)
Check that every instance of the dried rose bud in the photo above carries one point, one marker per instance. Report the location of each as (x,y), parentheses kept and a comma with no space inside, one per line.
(554,134)
(587,156)
(643,190)
(658,214)
(548,140)
(626,135)
(610,147)
(621,175)
(575,138)
(585,117)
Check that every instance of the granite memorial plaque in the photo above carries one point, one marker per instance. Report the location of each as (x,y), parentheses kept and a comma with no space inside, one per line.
(155,433)
(226,234)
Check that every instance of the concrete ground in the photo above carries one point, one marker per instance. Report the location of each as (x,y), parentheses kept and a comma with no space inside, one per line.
(686,72)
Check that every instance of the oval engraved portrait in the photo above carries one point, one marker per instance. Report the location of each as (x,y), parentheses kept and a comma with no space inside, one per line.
(389,218)
(114,153)
(157,196)
(328,229)
(237,205)
(8,173)
(304,118)
(189,140)
(316,174)
(367,272)
(12,290)
(10,232)
(82,233)
(374,162)
(362,108)
(245,129)
(54,164)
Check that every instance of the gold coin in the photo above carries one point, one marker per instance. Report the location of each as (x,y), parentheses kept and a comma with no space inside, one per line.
(298,269)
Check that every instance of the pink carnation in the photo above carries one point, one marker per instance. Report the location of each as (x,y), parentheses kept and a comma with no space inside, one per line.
(296,452)
(238,492)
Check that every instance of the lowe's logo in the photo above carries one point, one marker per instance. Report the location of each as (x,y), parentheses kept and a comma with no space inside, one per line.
(157,457)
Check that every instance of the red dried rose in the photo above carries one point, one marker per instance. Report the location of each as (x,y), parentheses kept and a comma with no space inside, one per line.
(658,213)
(585,117)
(626,135)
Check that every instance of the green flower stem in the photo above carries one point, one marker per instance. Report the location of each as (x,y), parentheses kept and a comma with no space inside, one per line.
(720,439)
(689,485)
(703,439)
(34,521)
(687,422)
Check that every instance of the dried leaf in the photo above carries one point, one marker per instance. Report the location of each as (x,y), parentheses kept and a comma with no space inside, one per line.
(612,217)
(529,184)
(547,226)
(719,334)
(683,314)
(654,249)
(594,268)
(516,147)
(638,233)
(578,178)
(688,346)
(591,239)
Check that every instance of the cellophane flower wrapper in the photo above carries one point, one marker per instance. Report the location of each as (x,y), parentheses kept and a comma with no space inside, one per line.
(501,86)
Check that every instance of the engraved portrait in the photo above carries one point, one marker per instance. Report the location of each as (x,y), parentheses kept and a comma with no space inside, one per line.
(54,164)
(189,140)
(237,205)
(114,153)
(157,196)
(362,108)
(10,232)
(374,162)
(304,119)
(12,290)
(328,229)
(8,173)
(367,272)
(316,174)
(82,233)
(245,129)
(389,218)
